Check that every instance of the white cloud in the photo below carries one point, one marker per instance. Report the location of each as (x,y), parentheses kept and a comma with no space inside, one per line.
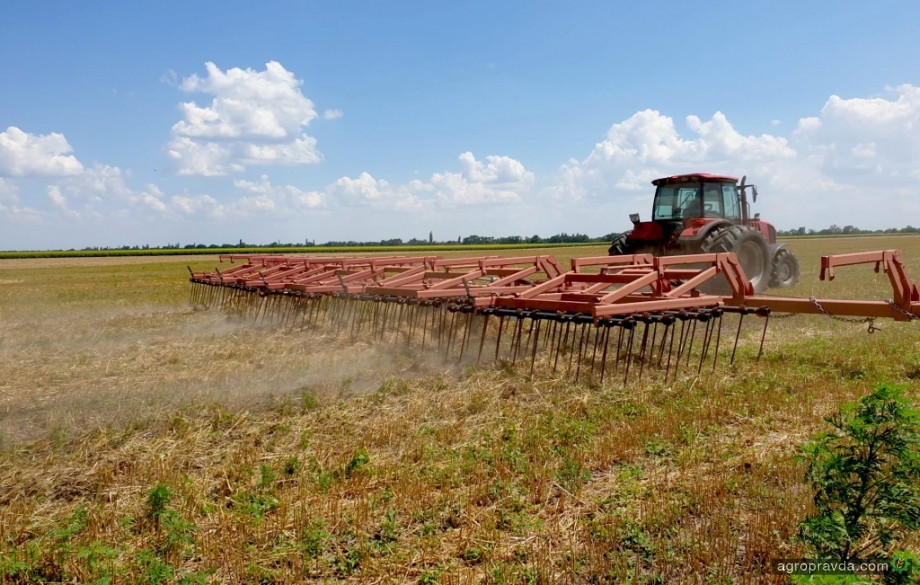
(255,118)
(60,202)
(9,193)
(366,190)
(501,180)
(23,154)
(333,114)
(268,197)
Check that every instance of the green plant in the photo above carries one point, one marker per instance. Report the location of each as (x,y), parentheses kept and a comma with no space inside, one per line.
(154,571)
(865,474)
(360,459)
(158,499)
(292,465)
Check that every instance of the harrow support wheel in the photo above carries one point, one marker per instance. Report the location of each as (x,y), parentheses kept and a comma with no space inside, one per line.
(752,251)
(785,272)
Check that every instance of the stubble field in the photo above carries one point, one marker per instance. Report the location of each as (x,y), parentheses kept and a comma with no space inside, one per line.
(143,441)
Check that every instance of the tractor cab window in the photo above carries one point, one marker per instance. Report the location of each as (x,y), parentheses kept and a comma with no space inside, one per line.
(712,200)
(674,202)
(730,201)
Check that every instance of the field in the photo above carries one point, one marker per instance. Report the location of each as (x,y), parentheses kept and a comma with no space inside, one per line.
(143,441)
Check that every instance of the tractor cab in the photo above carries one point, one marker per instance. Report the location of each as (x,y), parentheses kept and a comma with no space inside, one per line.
(703,213)
(688,207)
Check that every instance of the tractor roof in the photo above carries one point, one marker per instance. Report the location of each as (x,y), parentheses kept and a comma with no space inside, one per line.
(694,177)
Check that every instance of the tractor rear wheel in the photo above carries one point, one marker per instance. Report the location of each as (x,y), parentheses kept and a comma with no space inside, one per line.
(749,246)
(620,245)
(785,273)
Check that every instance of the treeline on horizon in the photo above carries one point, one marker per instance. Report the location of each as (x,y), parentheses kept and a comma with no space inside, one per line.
(475,240)
(836,230)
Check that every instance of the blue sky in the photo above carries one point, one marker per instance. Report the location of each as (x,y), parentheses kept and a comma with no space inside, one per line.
(347,120)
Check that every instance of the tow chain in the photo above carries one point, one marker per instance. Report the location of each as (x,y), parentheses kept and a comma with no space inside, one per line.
(870,320)
(901,310)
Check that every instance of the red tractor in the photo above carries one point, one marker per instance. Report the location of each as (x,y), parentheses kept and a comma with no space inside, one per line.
(702,213)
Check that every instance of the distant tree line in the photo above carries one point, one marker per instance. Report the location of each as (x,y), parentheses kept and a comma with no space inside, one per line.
(845,230)
(562,238)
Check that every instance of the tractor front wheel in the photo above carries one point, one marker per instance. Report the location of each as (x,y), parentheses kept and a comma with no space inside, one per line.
(785,273)
(620,245)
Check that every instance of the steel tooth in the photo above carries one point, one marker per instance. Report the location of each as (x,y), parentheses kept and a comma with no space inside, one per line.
(715,357)
(737,335)
(604,356)
(568,367)
(763,335)
(692,336)
(560,345)
(642,349)
(498,341)
(707,337)
(667,370)
(597,336)
(413,321)
(536,340)
(516,340)
(482,339)
(581,349)
(632,333)
(616,362)
(425,313)
(466,333)
(529,333)
(681,343)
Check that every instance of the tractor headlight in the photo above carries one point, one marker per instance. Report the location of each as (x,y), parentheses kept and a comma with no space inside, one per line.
(634,217)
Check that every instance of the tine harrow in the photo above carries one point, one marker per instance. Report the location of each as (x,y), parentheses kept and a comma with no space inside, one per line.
(606,317)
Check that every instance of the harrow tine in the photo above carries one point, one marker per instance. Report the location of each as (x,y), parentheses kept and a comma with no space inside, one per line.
(632,333)
(482,339)
(763,335)
(667,370)
(561,345)
(604,355)
(642,349)
(692,336)
(616,362)
(737,335)
(597,336)
(516,340)
(707,336)
(498,342)
(715,357)
(466,333)
(581,344)
(536,339)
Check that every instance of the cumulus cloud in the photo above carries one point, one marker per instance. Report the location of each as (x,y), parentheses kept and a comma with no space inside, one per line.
(9,193)
(23,155)
(254,118)
(333,114)
(499,180)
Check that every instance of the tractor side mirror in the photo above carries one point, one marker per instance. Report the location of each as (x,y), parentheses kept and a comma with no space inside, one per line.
(754,191)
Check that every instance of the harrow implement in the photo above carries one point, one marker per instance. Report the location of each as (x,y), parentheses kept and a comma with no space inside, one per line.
(605,315)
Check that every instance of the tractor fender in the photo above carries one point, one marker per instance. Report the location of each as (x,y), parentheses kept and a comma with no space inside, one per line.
(694,235)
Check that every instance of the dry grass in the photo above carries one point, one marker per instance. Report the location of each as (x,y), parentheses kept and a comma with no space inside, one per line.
(292,458)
